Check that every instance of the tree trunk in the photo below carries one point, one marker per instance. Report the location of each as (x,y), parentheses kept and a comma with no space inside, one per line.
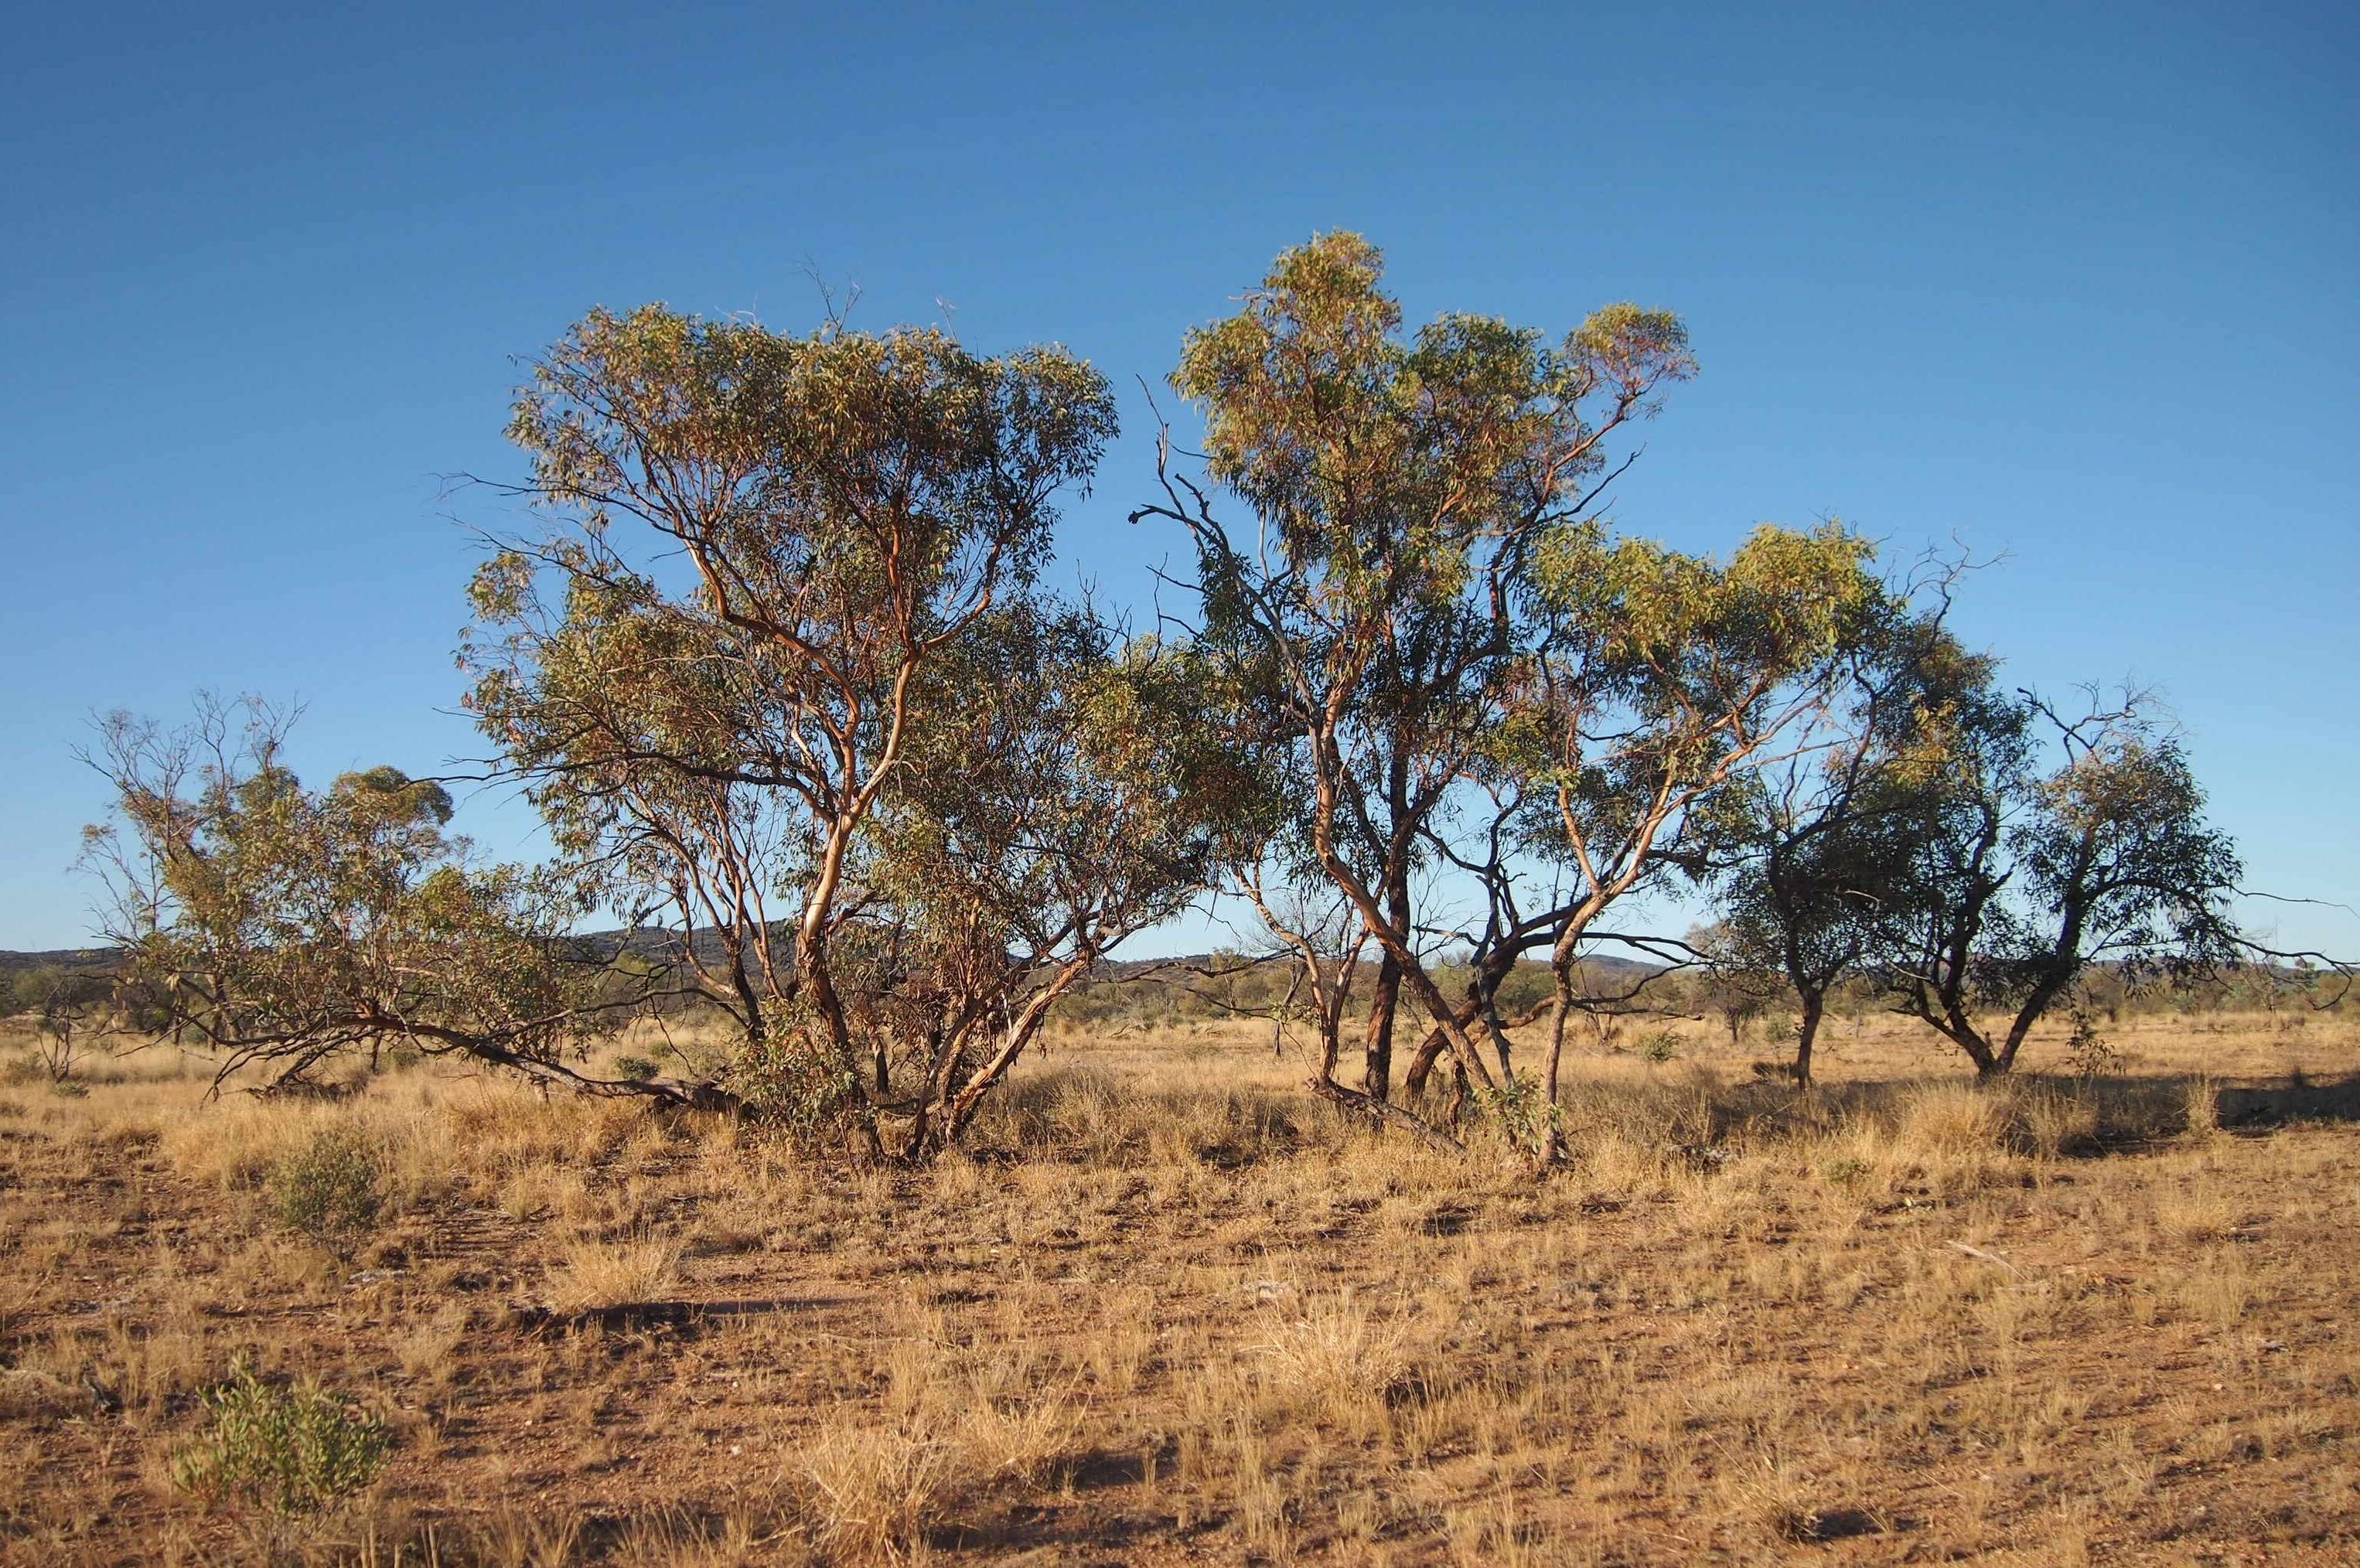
(1384,1006)
(1430,1049)
(1814,1004)
(1421,1062)
(1552,1140)
(1979,1052)
(1384,1003)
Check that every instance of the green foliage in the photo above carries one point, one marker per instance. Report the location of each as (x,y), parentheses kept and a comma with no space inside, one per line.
(330,1188)
(635,1067)
(1659,1046)
(2040,865)
(277,922)
(1662,675)
(1706,633)
(793,1086)
(2092,1054)
(1346,437)
(291,1450)
(1519,1107)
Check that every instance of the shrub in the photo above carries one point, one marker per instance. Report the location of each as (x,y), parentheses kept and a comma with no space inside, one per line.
(635,1068)
(797,1092)
(2092,1054)
(292,1450)
(330,1187)
(1660,1046)
(1523,1111)
(2201,1105)
(1337,1353)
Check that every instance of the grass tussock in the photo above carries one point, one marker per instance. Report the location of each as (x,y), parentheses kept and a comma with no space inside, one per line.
(869,1494)
(589,1274)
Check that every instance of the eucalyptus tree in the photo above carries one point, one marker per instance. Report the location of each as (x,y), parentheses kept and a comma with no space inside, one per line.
(291,928)
(2051,841)
(1063,796)
(777,674)
(1366,619)
(1809,853)
(1659,678)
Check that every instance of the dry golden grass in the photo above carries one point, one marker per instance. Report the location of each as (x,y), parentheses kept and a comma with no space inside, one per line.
(612,1273)
(1169,1308)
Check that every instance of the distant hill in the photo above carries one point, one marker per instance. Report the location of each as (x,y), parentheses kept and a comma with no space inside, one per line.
(61,957)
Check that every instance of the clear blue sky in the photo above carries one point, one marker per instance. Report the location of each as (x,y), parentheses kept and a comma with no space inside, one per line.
(2072,282)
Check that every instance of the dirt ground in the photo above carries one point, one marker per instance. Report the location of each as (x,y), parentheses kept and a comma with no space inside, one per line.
(1170,1309)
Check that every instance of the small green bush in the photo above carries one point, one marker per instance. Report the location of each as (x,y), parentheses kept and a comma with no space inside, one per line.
(1522,1108)
(795,1090)
(1660,1046)
(292,1450)
(331,1189)
(2091,1053)
(636,1068)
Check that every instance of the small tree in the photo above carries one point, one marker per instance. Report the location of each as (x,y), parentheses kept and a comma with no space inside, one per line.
(1319,930)
(779,675)
(292,926)
(64,1007)
(1808,852)
(850,507)
(1735,984)
(2026,876)
(1661,678)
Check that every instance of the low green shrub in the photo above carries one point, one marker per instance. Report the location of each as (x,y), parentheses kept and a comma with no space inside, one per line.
(1523,1111)
(292,1450)
(330,1188)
